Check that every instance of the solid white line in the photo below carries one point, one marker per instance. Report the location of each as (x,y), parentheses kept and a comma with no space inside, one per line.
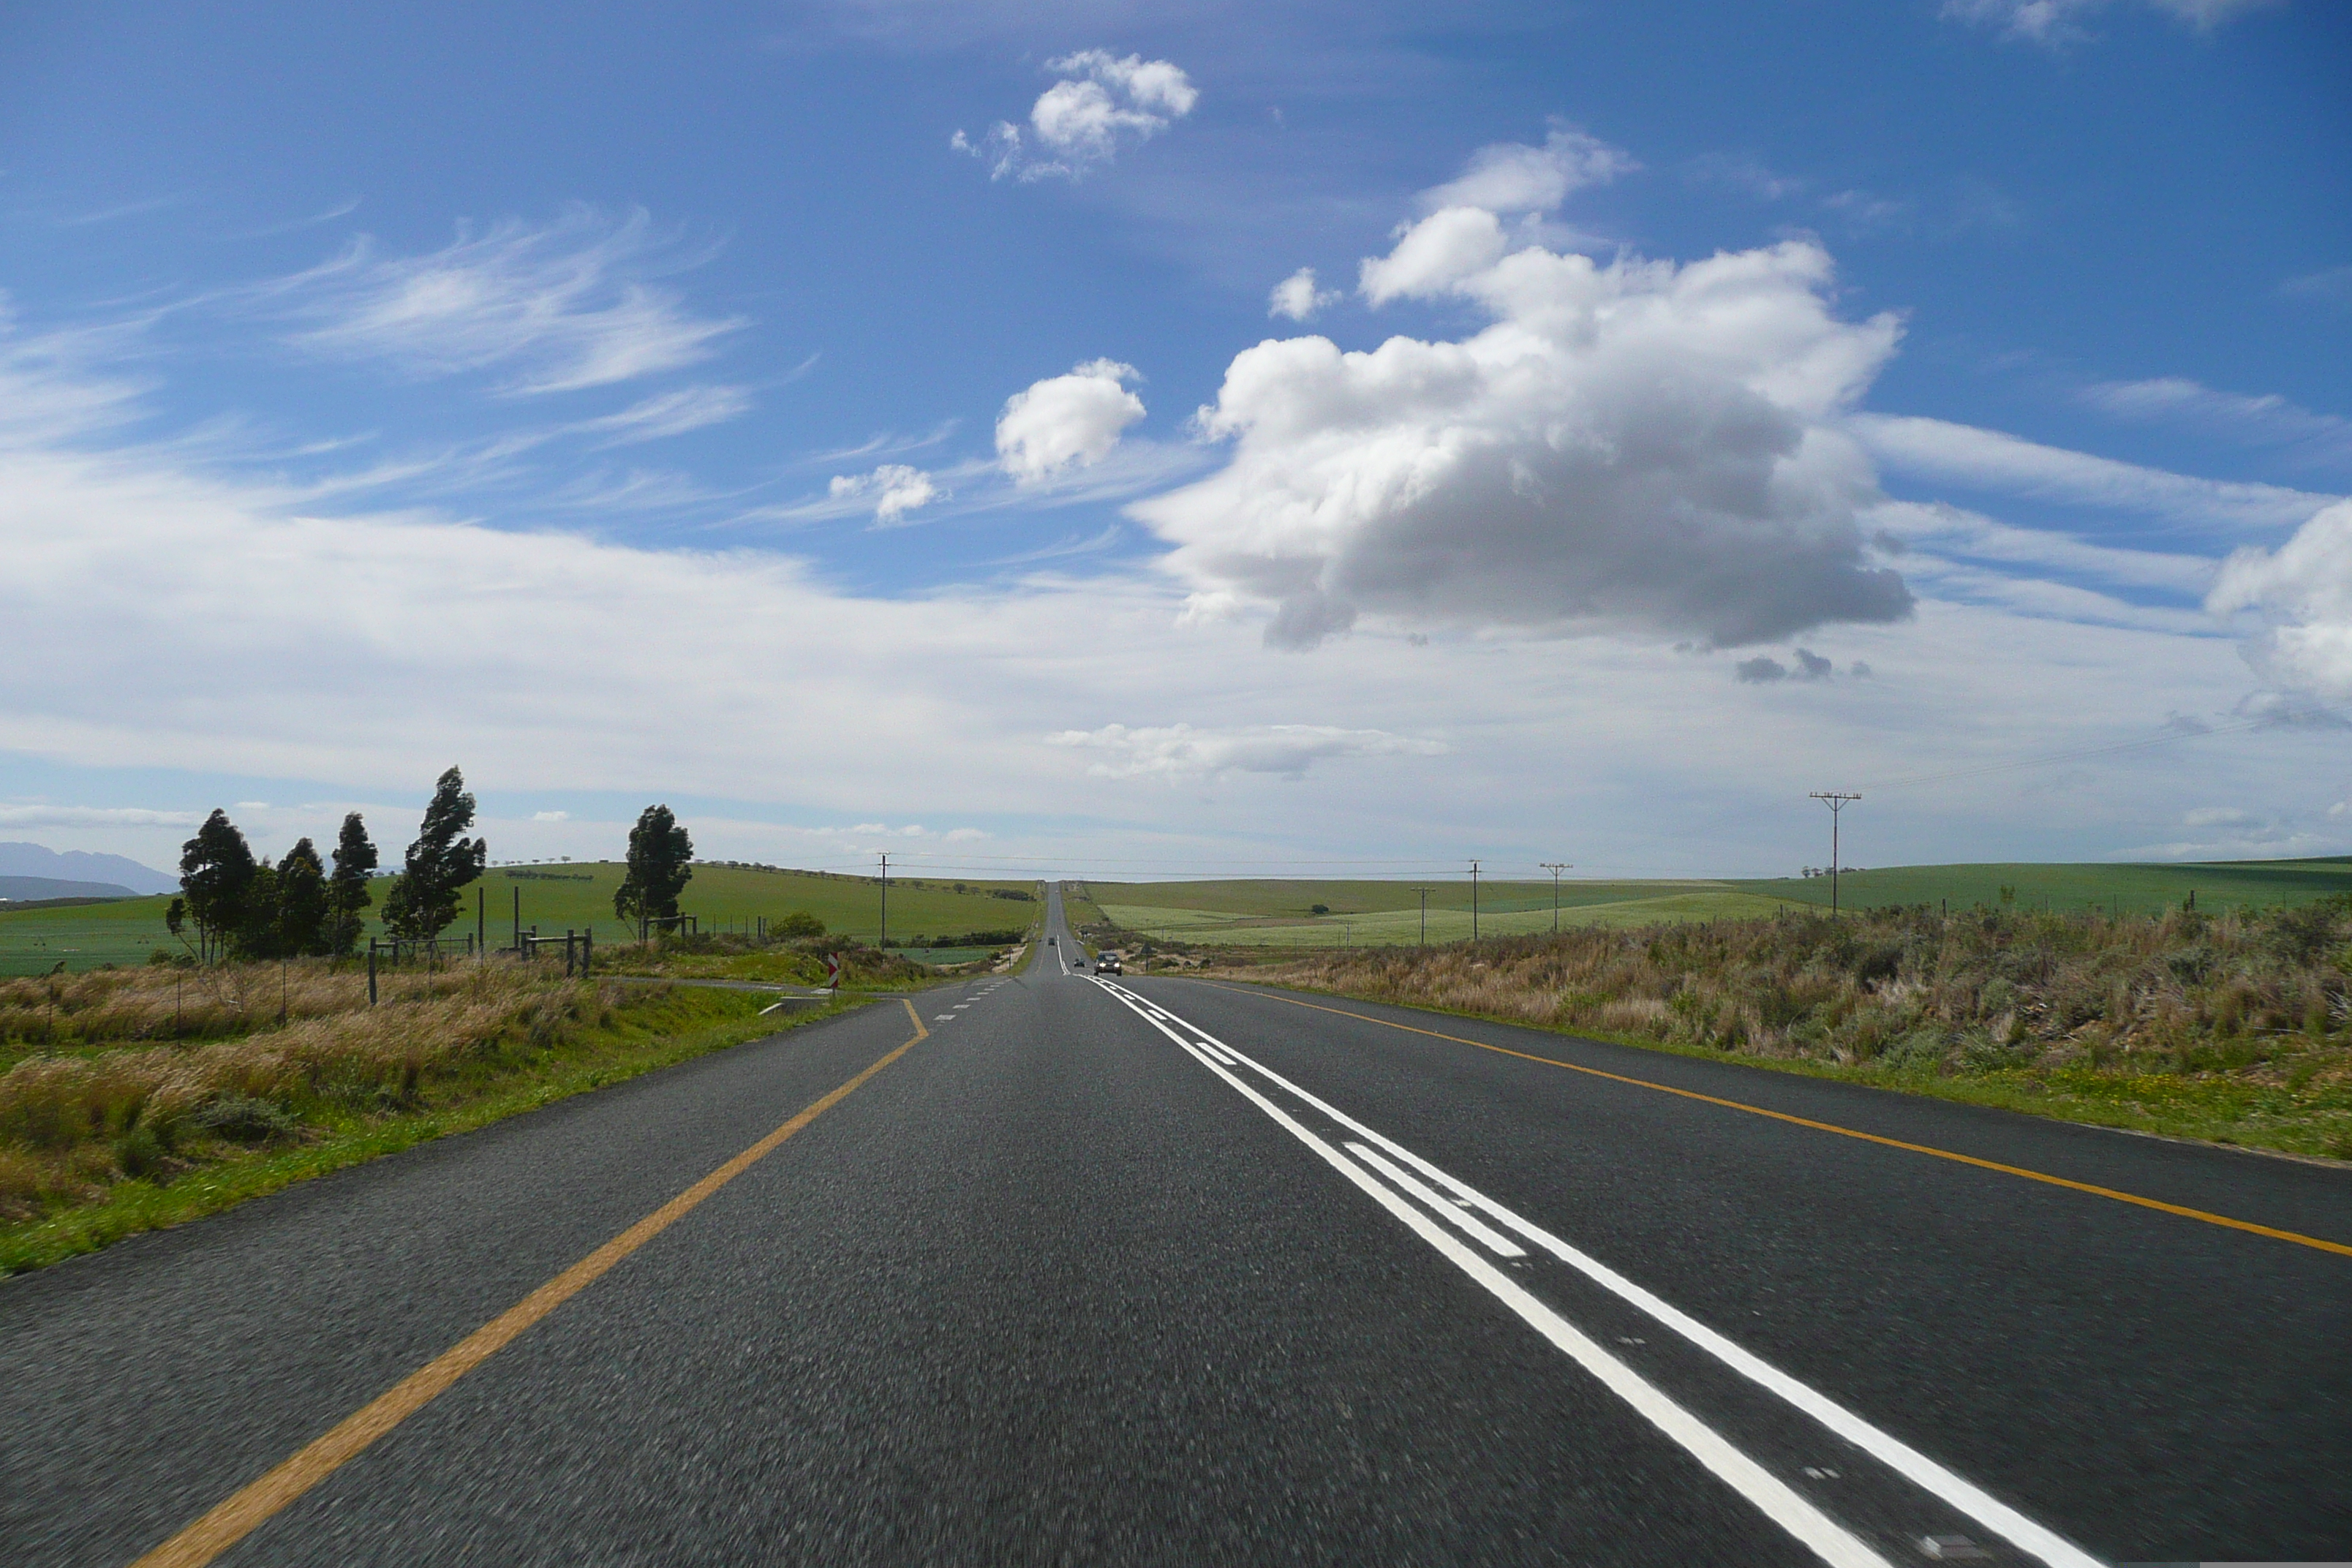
(1771,1496)
(1501,1245)
(1896,1455)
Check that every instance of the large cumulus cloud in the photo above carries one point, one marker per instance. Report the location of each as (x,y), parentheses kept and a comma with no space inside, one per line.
(1639,445)
(2300,596)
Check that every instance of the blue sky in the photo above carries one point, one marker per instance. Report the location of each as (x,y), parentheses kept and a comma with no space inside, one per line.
(886,425)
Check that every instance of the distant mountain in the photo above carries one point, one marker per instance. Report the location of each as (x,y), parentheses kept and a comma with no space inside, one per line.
(17,890)
(81,866)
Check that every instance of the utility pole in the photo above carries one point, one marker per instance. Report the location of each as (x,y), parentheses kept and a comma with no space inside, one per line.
(1425,893)
(1556,868)
(886,900)
(1837,801)
(1474,902)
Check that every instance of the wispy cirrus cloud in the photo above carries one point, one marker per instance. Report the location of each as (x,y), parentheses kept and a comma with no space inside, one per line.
(555,307)
(2256,419)
(2057,22)
(669,414)
(1995,462)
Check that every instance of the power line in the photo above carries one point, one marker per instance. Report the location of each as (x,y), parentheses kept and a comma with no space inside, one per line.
(1837,801)
(1556,868)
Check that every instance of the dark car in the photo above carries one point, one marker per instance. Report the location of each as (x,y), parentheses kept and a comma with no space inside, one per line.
(1108,964)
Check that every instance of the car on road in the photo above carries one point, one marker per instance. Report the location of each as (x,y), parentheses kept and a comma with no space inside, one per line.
(1108,964)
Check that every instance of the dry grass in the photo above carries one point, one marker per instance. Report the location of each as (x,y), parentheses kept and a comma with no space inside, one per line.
(2247,1002)
(99,1102)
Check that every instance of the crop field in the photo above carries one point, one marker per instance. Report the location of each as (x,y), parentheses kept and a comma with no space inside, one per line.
(1375,914)
(555,898)
(2123,889)
(1280,913)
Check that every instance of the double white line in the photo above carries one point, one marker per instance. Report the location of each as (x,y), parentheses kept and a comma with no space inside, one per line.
(1442,1206)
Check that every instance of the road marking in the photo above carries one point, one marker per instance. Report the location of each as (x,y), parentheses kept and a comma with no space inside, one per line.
(249,1507)
(1828,1539)
(1891,1451)
(1500,1245)
(2121,1197)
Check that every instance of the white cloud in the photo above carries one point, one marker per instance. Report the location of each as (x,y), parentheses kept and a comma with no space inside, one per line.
(1513,177)
(1066,420)
(1179,751)
(1296,297)
(555,307)
(2300,597)
(93,817)
(1639,445)
(551,816)
(1959,534)
(2332,286)
(669,414)
(1103,101)
(896,489)
(1990,460)
(2265,419)
(2054,21)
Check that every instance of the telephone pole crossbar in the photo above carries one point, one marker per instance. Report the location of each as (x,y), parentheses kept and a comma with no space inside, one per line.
(1556,868)
(1837,801)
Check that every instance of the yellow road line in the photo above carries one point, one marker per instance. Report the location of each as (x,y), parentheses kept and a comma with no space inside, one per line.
(2121,1197)
(238,1517)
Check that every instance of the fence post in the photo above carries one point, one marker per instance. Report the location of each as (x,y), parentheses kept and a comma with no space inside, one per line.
(372,972)
(587,950)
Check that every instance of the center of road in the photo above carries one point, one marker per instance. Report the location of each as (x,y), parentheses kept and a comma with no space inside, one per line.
(1433,1205)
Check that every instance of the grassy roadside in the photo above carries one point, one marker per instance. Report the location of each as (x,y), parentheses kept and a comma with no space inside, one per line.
(2230,1030)
(2248,1116)
(607,1039)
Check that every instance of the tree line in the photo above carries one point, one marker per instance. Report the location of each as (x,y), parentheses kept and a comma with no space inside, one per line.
(234,905)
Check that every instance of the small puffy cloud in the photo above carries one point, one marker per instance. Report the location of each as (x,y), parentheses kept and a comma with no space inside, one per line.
(2299,600)
(1103,101)
(1066,420)
(1810,666)
(1296,297)
(1638,445)
(2056,22)
(896,488)
(1178,751)
(1513,177)
(551,816)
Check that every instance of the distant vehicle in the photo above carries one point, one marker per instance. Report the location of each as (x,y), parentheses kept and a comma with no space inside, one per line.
(1108,964)
(1053,942)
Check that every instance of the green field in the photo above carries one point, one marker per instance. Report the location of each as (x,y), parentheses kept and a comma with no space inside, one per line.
(577,896)
(2113,889)
(1275,913)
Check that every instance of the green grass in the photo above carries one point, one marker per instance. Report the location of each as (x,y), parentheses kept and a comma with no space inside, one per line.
(1392,928)
(2071,888)
(577,896)
(1279,913)
(657,1032)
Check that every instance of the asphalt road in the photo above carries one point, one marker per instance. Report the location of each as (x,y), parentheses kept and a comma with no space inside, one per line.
(1164,1270)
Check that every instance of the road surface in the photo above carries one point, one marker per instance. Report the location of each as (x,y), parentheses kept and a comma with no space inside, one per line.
(1164,1270)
